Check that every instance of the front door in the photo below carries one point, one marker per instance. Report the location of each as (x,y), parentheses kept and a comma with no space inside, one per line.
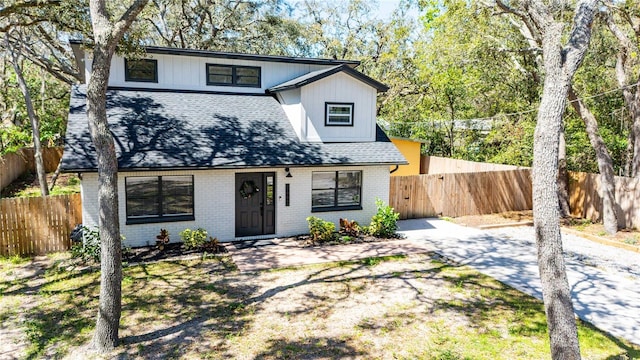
(255,204)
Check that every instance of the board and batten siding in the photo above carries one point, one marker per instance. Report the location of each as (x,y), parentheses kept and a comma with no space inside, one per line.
(189,73)
(339,88)
(214,202)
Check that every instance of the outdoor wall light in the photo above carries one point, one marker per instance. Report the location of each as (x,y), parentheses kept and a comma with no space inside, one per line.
(288,173)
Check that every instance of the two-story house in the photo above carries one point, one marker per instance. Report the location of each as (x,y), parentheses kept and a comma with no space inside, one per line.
(244,146)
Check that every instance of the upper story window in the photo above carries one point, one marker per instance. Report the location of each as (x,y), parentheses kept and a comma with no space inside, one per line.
(142,70)
(338,114)
(159,198)
(233,75)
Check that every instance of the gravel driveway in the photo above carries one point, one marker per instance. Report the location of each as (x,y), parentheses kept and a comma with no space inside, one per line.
(605,281)
(608,258)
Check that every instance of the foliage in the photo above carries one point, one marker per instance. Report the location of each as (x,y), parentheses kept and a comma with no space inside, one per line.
(162,239)
(212,246)
(193,239)
(320,230)
(88,249)
(349,228)
(385,222)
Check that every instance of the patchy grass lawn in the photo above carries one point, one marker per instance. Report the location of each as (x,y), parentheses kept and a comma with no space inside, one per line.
(395,307)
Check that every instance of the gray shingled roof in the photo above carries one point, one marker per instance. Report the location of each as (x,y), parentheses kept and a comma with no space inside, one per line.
(323,73)
(173,130)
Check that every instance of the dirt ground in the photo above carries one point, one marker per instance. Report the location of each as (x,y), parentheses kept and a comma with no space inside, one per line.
(624,236)
(28,184)
(418,306)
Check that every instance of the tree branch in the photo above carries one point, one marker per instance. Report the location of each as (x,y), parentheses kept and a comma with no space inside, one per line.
(121,26)
(14,8)
(580,35)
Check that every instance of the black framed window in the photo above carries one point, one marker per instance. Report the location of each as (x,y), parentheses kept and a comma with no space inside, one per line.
(336,190)
(159,198)
(233,75)
(142,70)
(338,114)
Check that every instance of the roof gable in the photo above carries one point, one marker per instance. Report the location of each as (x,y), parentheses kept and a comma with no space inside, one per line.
(321,74)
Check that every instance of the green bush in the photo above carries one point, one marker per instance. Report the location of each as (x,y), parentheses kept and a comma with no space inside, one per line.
(87,245)
(320,230)
(193,238)
(89,248)
(385,222)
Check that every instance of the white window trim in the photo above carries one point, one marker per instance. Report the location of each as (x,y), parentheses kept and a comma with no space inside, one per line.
(329,105)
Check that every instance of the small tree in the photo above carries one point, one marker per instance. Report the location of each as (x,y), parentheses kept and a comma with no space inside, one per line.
(35,122)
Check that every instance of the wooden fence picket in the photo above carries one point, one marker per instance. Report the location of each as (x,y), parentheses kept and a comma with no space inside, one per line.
(38,225)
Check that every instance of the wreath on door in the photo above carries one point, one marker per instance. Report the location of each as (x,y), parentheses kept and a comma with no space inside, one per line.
(248,189)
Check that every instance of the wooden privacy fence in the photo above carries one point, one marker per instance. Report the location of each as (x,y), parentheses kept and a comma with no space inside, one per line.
(16,164)
(460,194)
(38,225)
(441,165)
(586,202)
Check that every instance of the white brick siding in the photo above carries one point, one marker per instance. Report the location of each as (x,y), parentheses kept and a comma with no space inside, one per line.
(214,202)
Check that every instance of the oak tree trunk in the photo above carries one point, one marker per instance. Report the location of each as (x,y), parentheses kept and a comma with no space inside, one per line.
(605,164)
(555,286)
(106,334)
(563,177)
(107,34)
(560,65)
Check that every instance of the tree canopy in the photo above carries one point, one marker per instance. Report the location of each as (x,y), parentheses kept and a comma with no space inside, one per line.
(462,78)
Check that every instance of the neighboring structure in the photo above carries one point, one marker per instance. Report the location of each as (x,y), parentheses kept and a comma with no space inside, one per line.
(410,149)
(245,146)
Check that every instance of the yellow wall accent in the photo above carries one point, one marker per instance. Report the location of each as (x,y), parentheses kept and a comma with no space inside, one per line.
(411,152)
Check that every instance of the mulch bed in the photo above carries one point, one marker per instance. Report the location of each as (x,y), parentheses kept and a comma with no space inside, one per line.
(307,241)
(173,251)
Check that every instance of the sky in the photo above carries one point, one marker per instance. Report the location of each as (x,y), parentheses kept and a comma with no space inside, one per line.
(384,9)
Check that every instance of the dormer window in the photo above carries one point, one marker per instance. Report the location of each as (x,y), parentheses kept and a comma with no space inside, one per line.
(338,114)
(142,70)
(233,75)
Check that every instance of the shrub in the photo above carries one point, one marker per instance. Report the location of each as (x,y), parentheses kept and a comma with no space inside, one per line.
(162,239)
(193,238)
(88,246)
(321,230)
(350,228)
(385,222)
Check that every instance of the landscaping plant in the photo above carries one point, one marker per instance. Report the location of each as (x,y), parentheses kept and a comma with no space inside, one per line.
(212,245)
(162,239)
(88,246)
(193,238)
(385,222)
(320,230)
(349,228)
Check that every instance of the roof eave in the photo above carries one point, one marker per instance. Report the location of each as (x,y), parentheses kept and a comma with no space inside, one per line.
(223,167)
(380,87)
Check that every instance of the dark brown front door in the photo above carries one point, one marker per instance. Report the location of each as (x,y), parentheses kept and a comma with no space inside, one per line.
(255,204)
